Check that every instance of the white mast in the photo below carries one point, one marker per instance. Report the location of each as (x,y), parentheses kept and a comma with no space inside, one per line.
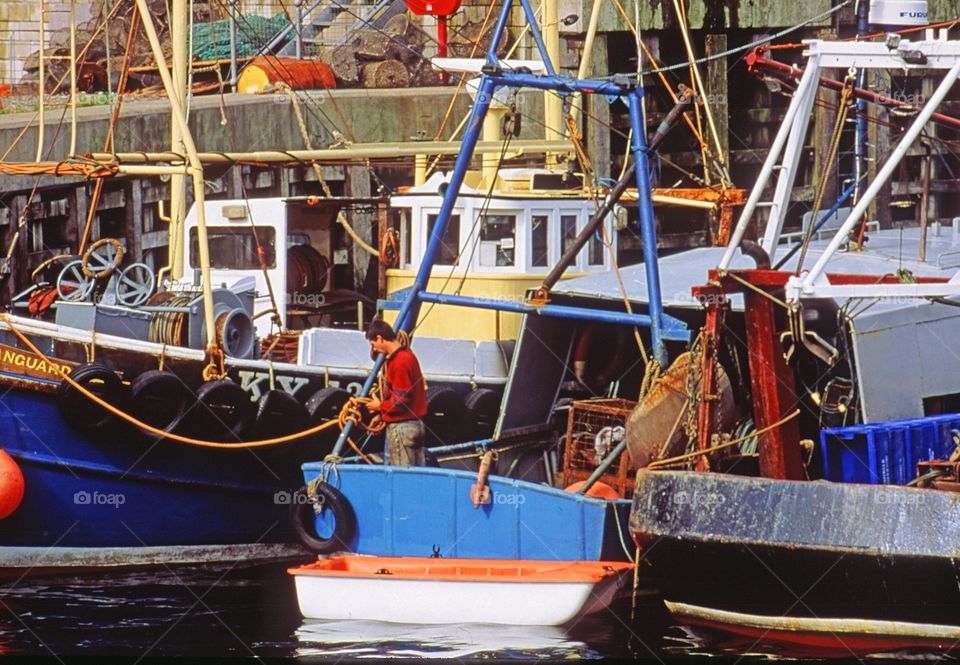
(196,170)
(178,200)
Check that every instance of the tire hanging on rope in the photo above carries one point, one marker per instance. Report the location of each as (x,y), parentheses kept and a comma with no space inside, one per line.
(160,399)
(328,528)
(279,414)
(77,409)
(223,412)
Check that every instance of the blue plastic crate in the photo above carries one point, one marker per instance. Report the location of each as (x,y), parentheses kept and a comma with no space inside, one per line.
(886,453)
(931,437)
(849,456)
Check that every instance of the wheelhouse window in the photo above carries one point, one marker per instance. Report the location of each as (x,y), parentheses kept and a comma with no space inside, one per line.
(235,248)
(498,235)
(568,231)
(539,240)
(595,248)
(406,237)
(449,250)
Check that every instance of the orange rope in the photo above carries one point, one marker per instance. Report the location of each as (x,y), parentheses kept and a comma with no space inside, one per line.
(82,169)
(663,79)
(389,250)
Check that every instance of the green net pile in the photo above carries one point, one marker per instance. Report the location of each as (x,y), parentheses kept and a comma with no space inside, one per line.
(211,41)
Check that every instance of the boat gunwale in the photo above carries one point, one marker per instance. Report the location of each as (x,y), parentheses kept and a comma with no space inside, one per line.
(499,571)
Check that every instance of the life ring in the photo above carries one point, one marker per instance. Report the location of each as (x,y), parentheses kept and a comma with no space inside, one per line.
(483,409)
(329,538)
(79,410)
(594,364)
(160,399)
(223,412)
(278,414)
(102,258)
(445,417)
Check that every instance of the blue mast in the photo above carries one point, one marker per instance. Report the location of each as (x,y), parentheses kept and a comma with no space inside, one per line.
(495,74)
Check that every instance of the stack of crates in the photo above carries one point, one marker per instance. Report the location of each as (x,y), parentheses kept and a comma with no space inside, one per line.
(588,419)
(886,453)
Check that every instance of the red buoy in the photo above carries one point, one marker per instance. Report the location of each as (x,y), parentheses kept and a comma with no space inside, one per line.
(11,485)
(598,489)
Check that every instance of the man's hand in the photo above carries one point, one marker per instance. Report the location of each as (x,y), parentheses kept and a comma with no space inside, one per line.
(373,406)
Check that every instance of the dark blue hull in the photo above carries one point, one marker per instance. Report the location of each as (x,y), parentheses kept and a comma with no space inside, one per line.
(117,488)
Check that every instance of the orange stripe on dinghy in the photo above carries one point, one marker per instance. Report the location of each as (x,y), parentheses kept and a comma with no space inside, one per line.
(463,570)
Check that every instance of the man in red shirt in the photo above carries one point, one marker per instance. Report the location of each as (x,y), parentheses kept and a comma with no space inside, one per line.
(404,399)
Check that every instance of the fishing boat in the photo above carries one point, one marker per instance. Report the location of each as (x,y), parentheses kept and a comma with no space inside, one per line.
(164,418)
(851,386)
(503,497)
(437,591)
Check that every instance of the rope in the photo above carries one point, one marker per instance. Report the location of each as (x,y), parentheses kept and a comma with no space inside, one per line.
(352,412)
(341,217)
(389,249)
(712,449)
(754,44)
(659,72)
(114,119)
(742,281)
(150,428)
(480,452)
(650,376)
(846,94)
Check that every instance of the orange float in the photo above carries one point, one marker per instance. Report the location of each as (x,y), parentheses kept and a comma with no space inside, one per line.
(11,485)
(599,490)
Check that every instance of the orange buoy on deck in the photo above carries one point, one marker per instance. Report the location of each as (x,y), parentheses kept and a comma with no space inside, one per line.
(11,485)
(268,70)
(598,489)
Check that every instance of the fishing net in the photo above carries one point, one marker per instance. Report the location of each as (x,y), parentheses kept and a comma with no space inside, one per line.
(211,41)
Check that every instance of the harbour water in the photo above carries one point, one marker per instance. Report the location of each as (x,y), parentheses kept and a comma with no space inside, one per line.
(237,612)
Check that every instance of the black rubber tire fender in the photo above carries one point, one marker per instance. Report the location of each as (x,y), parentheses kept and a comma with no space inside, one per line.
(303,517)
(223,412)
(483,409)
(279,414)
(77,409)
(445,417)
(160,398)
(326,404)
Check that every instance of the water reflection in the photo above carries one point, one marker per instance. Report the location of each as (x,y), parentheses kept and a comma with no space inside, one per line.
(689,641)
(373,638)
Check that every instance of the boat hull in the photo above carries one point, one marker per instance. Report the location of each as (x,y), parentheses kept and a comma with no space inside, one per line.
(439,591)
(805,562)
(523,521)
(120,490)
